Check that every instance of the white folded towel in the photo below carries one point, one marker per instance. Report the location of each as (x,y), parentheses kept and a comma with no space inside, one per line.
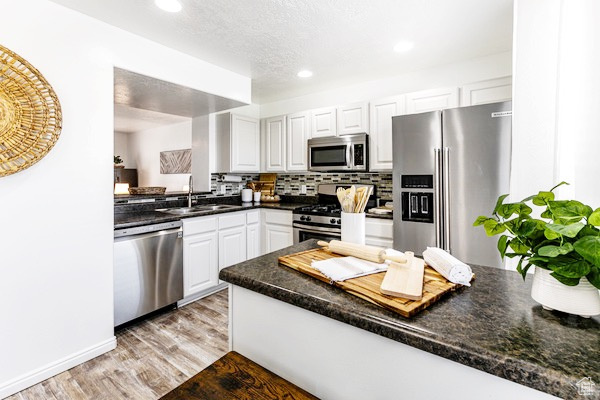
(341,268)
(448,266)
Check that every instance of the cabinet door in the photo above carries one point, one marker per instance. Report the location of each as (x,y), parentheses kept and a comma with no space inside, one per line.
(200,265)
(232,247)
(484,92)
(252,241)
(323,122)
(380,138)
(275,138)
(353,118)
(245,144)
(431,100)
(297,141)
(277,237)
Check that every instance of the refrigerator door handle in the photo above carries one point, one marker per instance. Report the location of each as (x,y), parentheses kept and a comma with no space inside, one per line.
(446,190)
(437,215)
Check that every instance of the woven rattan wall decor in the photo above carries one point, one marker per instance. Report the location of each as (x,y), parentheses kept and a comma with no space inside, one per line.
(30,115)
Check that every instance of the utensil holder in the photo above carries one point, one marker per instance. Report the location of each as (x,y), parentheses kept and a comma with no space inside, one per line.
(353,227)
(246,195)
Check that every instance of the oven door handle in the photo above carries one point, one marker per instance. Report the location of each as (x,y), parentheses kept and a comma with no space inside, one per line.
(315,228)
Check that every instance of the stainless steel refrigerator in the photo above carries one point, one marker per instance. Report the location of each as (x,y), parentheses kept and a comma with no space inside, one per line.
(450,166)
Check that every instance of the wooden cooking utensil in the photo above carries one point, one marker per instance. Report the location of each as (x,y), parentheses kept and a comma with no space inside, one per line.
(405,280)
(369,253)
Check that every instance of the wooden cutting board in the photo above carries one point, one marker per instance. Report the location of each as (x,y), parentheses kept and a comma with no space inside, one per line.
(367,287)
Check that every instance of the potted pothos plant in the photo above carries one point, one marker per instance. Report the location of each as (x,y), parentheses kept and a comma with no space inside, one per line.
(118,162)
(563,244)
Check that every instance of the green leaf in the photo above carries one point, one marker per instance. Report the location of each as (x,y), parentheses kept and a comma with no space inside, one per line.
(542,198)
(550,234)
(571,210)
(480,220)
(564,280)
(499,202)
(506,210)
(554,251)
(518,246)
(594,276)
(546,214)
(493,227)
(520,268)
(502,243)
(589,248)
(529,226)
(567,230)
(594,217)
(576,269)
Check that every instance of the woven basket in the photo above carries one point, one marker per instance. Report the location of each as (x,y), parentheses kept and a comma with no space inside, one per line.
(148,190)
(30,114)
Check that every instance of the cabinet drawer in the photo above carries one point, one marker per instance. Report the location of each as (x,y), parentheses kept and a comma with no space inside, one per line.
(192,226)
(381,228)
(252,217)
(231,220)
(278,217)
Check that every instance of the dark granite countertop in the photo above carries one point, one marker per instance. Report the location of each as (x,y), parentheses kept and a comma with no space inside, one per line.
(146,217)
(139,218)
(493,326)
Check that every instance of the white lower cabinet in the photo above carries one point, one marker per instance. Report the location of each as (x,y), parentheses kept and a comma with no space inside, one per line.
(232,246)
(379,232)
(252,234)
(204,275)
(277,230)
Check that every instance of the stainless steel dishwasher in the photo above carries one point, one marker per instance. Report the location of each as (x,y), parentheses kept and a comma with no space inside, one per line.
(148,269)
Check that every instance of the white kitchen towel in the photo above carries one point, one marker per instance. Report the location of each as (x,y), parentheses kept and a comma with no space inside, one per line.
(448,266)
(341,268)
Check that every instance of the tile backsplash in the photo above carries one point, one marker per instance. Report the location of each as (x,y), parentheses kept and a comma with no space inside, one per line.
(291,184)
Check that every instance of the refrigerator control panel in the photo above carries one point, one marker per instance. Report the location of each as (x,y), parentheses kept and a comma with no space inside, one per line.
(417,181)
(417,207)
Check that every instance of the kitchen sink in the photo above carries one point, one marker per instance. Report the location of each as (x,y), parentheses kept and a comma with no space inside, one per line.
(196,209)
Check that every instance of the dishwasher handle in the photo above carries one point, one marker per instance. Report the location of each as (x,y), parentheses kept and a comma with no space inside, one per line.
(179,232)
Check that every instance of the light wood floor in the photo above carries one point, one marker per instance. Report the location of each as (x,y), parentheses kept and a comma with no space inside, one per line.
(151,357)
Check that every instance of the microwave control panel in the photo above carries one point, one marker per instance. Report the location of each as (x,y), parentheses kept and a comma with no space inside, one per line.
(359,154)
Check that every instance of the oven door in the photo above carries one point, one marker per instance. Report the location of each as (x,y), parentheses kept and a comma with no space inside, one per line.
(333,157)
(305,232)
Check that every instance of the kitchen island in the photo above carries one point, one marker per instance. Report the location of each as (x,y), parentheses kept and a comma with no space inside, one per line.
(488,341)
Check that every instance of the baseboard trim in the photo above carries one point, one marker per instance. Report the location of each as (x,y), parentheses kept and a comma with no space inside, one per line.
(201,295)
(29,379)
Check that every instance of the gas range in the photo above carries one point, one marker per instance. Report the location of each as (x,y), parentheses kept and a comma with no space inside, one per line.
(321,221)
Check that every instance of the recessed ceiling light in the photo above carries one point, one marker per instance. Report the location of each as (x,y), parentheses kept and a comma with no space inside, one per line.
(168,5)
(305,73)
(403,46)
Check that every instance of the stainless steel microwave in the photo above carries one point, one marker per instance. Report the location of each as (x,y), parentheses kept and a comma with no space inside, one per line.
(340,153)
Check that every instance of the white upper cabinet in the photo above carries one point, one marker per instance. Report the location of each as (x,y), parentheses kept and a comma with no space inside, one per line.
(353,118)
(275,142)
(380,137)
(298,130)
(431,100)
(324,122)
(238,143)
(484,92)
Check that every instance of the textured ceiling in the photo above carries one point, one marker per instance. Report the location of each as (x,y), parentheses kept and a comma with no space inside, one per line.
(341,41)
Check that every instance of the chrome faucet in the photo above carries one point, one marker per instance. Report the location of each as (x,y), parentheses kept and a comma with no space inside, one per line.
(190,190)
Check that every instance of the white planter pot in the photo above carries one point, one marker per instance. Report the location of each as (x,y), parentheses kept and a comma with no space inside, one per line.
(583,299)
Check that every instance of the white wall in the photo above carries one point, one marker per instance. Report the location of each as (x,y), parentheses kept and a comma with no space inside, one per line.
(145,147)
(56,239)
(121,147)
(458,74)
(556,101)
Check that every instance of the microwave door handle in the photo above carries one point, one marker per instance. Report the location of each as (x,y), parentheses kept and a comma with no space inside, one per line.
(349,160)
